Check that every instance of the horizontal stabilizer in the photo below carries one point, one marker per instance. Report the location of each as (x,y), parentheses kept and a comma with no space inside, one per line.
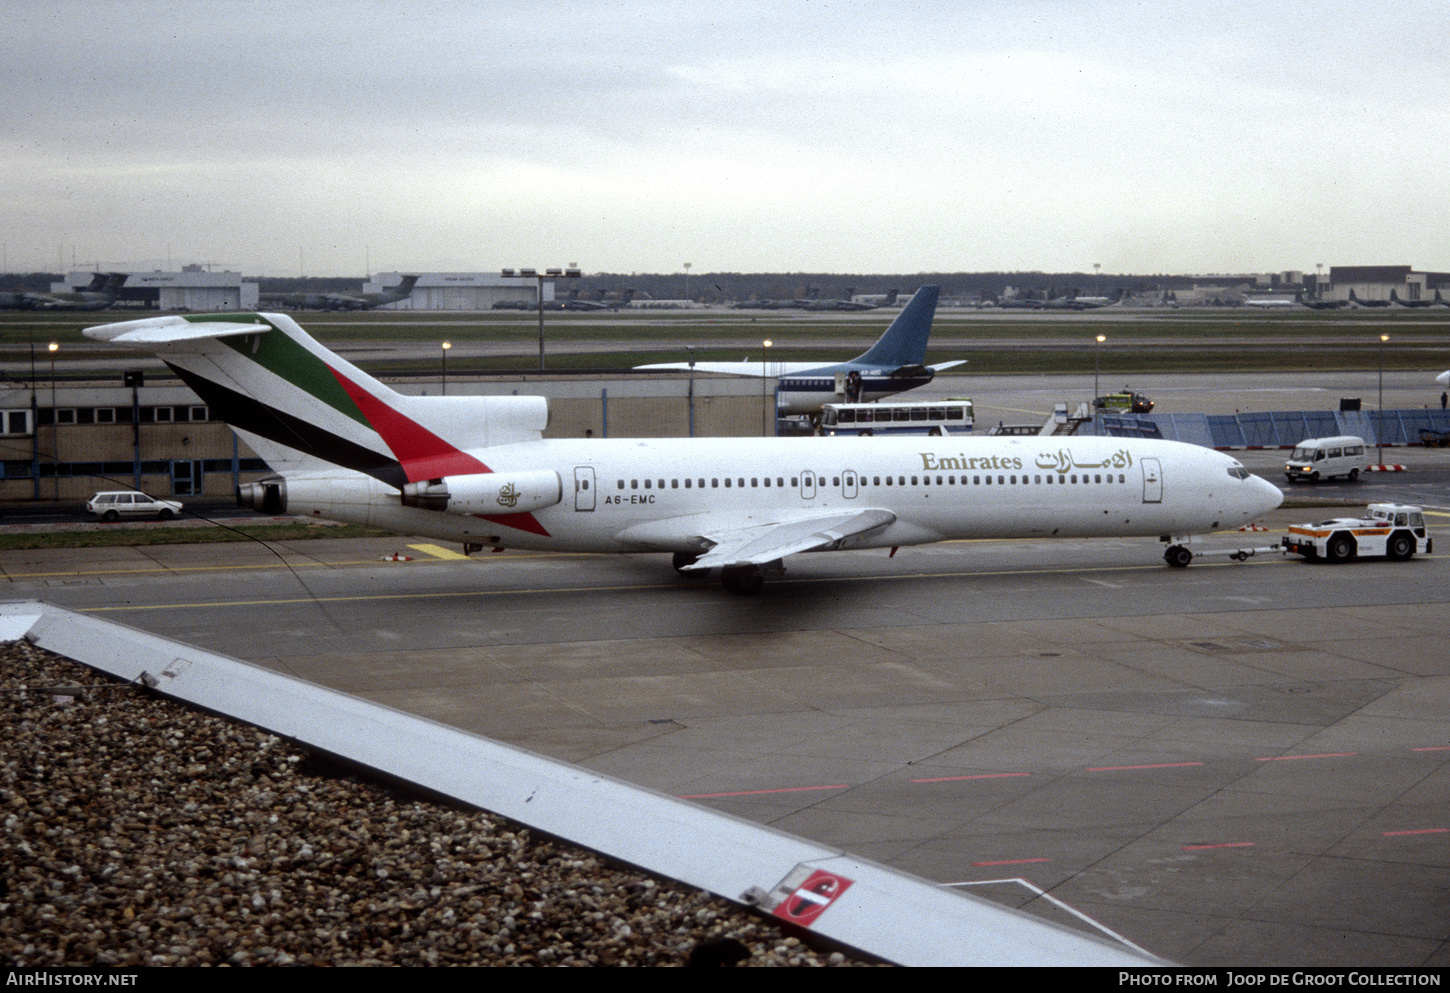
(942,366)
(768,542)
(161,330)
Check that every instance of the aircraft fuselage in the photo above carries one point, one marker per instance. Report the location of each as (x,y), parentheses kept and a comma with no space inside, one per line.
(643,495)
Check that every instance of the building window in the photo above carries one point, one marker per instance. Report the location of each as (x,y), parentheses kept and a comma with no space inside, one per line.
(15,422)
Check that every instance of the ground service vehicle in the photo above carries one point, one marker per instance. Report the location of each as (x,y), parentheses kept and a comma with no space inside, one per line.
(1324,458)
(936,417)
(1133,403)
(113,505)
(1393,530)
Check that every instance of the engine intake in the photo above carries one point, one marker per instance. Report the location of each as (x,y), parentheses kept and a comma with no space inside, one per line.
(487,493)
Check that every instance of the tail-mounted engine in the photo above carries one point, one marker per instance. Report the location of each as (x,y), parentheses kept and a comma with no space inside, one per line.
(487,493)
(268,495)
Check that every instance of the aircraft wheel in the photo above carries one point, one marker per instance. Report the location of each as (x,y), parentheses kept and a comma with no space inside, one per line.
(683,560)
(1340,548)
(1178,557)
(743,580)
(1400,546)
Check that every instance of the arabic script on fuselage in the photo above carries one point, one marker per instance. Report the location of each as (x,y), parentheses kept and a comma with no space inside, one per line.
(1065,460)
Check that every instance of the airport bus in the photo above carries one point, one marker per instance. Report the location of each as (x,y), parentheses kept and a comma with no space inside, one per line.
(949,416)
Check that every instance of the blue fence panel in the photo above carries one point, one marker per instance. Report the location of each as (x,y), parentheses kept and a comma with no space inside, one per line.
(1190,428)
(1225,431)
(1258,430)
(1357,423)
(1275,429)
(1314,424)
(1129,426)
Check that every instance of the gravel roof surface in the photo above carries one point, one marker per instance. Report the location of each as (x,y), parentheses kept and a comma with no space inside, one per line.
(139,832)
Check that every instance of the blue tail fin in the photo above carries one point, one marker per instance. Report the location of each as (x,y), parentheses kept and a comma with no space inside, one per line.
(904,342)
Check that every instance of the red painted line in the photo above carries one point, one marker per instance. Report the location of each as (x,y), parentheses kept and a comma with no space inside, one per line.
(1433,748)
(1164,765)
(1326,755)
(787,789)
(1012,862)
(985,775)
(1227,844)
(1396,834)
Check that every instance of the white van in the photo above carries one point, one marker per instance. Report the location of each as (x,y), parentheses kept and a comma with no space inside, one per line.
(1324,458)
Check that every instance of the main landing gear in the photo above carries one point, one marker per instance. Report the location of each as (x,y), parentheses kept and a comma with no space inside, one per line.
(1178,556)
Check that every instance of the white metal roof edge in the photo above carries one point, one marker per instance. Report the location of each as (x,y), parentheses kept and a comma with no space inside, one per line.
(883,911)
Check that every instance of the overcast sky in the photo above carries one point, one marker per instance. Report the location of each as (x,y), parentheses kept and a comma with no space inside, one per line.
(635,136)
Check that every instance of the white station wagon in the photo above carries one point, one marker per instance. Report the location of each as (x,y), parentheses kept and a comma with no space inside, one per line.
(116,504)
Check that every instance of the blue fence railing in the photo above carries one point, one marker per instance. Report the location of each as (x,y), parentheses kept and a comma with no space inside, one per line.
(1277,429)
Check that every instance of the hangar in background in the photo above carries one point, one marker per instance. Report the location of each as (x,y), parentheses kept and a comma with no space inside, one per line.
(192,289)
(1375,283)
(459,290)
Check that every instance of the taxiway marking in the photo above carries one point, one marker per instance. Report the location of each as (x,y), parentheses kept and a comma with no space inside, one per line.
(438,551)
(783,789)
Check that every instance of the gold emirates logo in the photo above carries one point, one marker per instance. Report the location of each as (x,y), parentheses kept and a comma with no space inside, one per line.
(508,496)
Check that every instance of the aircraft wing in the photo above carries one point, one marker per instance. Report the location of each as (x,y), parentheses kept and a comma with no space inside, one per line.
(762,543)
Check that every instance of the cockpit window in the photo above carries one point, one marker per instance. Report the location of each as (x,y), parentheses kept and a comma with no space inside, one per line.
(1238,472)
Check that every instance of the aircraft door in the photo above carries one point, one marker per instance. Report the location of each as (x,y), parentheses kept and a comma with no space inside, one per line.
(808,486)
(848,484)
(1152,481)
(583,487)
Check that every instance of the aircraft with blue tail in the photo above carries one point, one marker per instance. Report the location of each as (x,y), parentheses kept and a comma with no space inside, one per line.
(893,365)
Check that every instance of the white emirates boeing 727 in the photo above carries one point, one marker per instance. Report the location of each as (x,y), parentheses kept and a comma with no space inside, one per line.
(477,470)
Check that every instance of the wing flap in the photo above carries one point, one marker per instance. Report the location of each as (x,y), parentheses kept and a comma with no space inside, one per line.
(767,542)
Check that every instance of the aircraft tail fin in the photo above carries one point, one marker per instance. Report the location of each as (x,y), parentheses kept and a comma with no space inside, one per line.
(904,342)
(265,376)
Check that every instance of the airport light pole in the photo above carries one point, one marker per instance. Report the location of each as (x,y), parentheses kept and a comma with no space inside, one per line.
(1379,431)
(764,385)
(572,272)
(443,382)
(54,347)
(1097,349)
(691,350)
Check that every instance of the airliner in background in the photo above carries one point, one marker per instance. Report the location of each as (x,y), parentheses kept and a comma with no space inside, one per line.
(478,471)
(893,365)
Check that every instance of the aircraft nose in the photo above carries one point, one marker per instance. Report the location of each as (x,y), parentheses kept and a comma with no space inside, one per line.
(1265,495)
